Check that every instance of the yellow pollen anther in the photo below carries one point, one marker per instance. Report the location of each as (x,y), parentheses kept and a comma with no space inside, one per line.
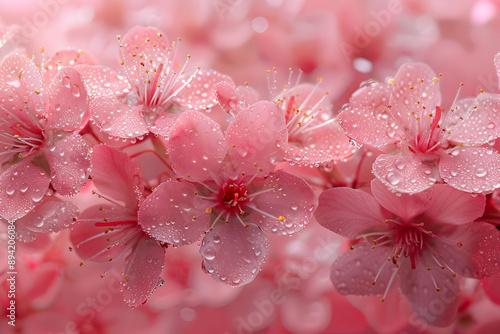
(438,289)
(81,264)
(118,37)
(381,300)
(481,91)
(281,218)
(320,79)
(411,87)
(461,84)
(435,80)
(351,247)
(159,35)
(440,74)
(428,268)
(421,80)
(242,213)
(373,282)
(459,244)
(194,217)
(392,82)
(127,278)
(70,249)
(454,274)
(387,221)
(208,210)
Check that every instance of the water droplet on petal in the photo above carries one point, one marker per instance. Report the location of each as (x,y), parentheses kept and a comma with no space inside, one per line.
(9,190)
(209,253)
(75,90)
(481,172)
(491,125)
(394,178)
(66,81)
(400,163)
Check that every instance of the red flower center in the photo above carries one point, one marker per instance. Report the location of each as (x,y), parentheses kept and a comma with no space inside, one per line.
(232,196)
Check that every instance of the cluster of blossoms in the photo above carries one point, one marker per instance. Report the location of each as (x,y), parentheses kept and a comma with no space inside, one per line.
(155,154)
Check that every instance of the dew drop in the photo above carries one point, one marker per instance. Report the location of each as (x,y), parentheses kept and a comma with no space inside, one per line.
(491,125)
(66,81)
(9,190)
(481,172)
(400,163)
(209,253)
(394,178)
(75,90)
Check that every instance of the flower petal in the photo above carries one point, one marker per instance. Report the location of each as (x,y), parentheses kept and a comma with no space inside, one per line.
(21,82)
(403,205)
(50,216)
(143,50)
(69,163)
(22,187)
(438,308)
(103,81)
(366,118)
(403,173)
(199,93)
(483,123)
(196,146)
(285,213)
(257,135)
(115,175)
(354,271)
(471,169)
(66,102)
(67,57)
(477,255)
(118,119)
(414,85)
(142,273)
(233,254)
(171,214)
(349,212)
(452,206)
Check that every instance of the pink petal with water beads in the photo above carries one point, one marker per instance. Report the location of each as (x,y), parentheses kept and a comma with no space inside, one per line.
(415,86)
(103,81)
(196,146)
(355,270)
(419,285)
(118,119)
(471,250)
(257,137)
(142,273)
(349,212)
(66,102)
(200,92)
(102,233)
(67,57)
(233,254)
(172,214)
(22,187)
(69,163)
(482,125)
(233,99)
(115,175)
(405,206)
(143,51)
(277,209)
(471,169)
(452,206)
(50,216)
(162,125)
(21,82)
(322,145)
(366,118)
(403,173)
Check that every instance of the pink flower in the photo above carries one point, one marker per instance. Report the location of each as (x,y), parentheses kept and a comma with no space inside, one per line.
(228,190)
(39,133)
(153,89)
(314,134)
(422,143)
(110,231)
(422,240)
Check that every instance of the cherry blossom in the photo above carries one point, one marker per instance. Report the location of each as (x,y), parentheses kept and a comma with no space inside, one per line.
(422,143)
(422,240)
(41,144)
(110,232)
(228,190)
(151,90)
